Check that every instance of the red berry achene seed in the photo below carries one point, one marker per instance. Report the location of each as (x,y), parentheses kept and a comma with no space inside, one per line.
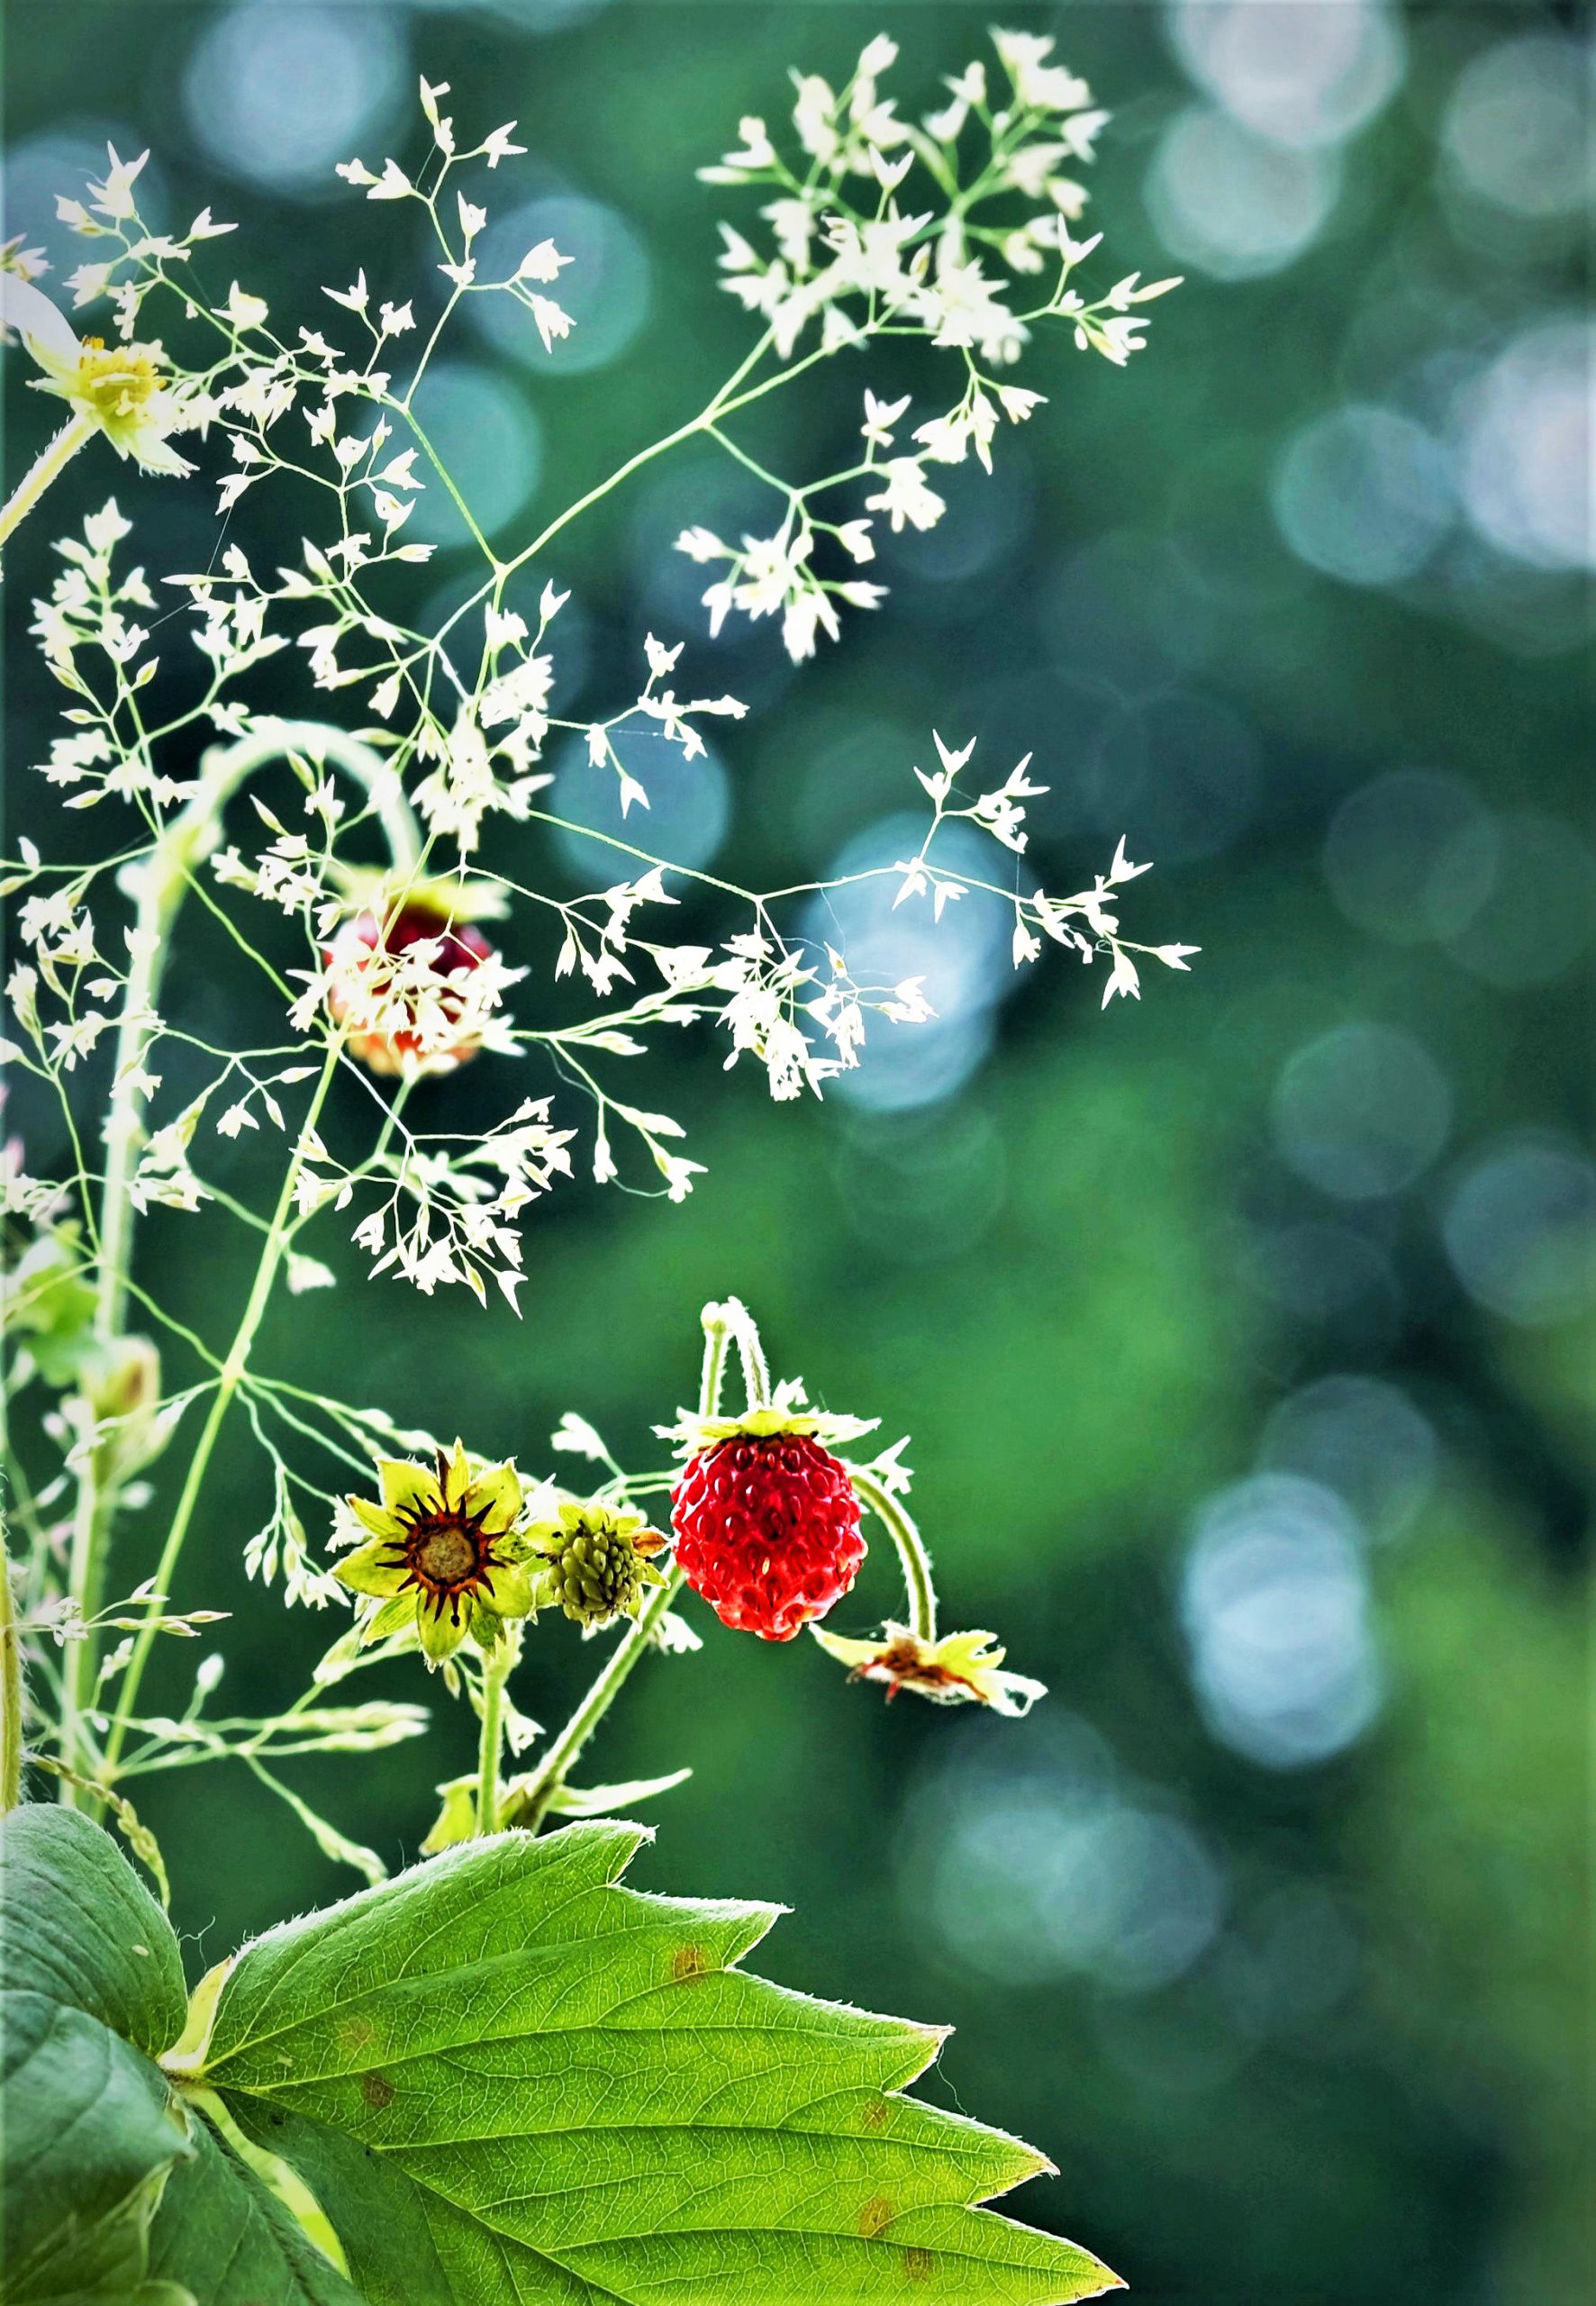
(767,1531)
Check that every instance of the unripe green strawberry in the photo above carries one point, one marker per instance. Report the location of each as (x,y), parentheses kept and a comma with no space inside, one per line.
(597,1564)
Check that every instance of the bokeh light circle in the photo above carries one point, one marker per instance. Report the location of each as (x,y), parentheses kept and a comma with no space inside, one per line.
(278,94)
(1177,770)
(1302,77)
(1363,1439)
(1361,1111)
(1054,1864)
(526,16)
(921,1185)
(1331,1279)
(490,444)
(964,960)
(1232,204)
(1276,1603)
(1412,856)
(689,806)
(1364,494)
(1526,431)
(1518,129)
(60,160)
(1536,913)
(1521,1230)
(607,289)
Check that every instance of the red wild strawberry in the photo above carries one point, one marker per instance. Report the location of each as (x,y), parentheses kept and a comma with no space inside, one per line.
(767,1531)
(398,1012)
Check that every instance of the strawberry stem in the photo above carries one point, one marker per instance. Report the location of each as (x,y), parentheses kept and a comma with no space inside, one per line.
(718,1323)
(901,1528)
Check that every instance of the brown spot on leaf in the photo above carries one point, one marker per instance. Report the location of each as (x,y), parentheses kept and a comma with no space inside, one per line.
(356,2034)
(917,2263)
(378,2090)
(689,1962)
(875,2113)
(875,2217)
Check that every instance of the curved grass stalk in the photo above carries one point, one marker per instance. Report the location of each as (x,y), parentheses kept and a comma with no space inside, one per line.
(232,1375)
(163,879)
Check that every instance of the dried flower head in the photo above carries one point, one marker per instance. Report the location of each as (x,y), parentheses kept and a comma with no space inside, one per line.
(962,1669)
(402,978)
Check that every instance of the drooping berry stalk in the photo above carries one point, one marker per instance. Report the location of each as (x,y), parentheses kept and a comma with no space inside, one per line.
(900,1527)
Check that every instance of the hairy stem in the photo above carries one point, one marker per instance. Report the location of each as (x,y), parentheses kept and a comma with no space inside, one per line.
(755,1370)
(493,1670)
(911,1551)
(11,1688)
(720,1323)
(48,465)
(560,1759)
(162,880)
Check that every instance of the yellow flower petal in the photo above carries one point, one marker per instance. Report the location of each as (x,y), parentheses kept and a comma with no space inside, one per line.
(376,1518)
(398,1616)
(371,1569)
(407,1485)
(854,1655)
(514,1591)
(441,1636)
(495,1492)
(457,1476)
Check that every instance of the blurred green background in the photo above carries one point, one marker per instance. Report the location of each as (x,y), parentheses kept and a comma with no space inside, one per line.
(1243,1335)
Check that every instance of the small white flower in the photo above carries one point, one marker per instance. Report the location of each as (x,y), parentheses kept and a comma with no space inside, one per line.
(905,499)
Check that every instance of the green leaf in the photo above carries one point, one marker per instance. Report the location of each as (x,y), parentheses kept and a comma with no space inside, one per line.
(509,2080)
(77,1926)
(116,2192)
(94,1982)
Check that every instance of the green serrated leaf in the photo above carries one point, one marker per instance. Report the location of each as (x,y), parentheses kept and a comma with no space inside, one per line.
(105,2167)
(507,2079)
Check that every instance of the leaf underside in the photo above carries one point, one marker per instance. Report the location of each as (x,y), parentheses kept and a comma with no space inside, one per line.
(231,2243)
(116,2194)
(507,2079)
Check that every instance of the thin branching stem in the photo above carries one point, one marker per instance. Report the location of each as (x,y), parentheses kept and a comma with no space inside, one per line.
(232,1374)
